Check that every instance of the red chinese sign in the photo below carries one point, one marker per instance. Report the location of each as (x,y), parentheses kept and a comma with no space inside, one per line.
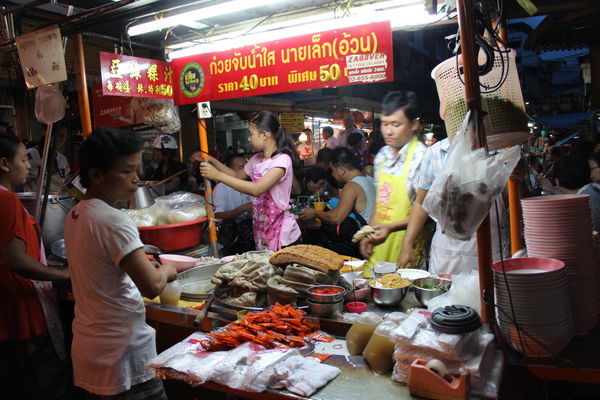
(348,56)
(111,111)
(135,76)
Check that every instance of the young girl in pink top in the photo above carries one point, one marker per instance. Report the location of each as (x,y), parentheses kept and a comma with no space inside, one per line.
(271,174)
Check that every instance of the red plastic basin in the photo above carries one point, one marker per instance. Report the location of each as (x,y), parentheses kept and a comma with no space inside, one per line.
(172,237)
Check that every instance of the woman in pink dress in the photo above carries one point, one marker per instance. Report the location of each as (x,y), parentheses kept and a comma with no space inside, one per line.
(268,178)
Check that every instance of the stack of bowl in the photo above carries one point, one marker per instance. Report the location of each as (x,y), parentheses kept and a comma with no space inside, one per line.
(532,300)
(326,300)
(560,227)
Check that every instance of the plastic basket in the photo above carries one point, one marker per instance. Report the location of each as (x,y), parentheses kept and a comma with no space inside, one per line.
(505,121)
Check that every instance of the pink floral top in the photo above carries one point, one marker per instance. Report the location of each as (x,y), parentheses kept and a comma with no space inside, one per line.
(275,226)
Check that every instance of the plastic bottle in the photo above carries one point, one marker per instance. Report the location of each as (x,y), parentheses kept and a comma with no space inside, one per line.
(359,334)
(171,293)
(379,352)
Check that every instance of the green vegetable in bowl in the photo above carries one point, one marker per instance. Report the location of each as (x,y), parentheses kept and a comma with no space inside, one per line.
(431,286)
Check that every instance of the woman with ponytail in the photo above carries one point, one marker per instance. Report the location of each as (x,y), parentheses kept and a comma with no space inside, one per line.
(270,171)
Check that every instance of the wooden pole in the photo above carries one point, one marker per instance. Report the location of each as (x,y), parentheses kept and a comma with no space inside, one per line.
(212,227)
(514,183)
(82,92)
(466,22)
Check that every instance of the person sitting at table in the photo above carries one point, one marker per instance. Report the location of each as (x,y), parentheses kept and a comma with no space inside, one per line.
(234,208)
(311,182)
(323,158)
(166,163)
(355,206)
(572,175)
(356,143)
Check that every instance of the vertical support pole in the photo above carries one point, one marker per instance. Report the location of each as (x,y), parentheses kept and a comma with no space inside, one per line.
(466,22)
(84,101)
(212,228)
(514,184)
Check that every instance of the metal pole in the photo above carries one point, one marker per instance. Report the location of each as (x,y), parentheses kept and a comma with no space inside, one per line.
(514,183)
(212,227)
(82,92)
(466,22)
(42,174)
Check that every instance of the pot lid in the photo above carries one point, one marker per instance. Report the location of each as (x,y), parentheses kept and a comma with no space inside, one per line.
(455,319)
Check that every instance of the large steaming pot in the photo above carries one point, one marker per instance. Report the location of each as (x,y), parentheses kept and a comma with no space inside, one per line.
(57,209)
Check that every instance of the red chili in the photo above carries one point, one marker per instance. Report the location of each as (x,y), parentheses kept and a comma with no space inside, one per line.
(326,290)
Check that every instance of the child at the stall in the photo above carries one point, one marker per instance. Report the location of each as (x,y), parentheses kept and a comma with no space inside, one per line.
(271,172)
(110,273)
(30,334)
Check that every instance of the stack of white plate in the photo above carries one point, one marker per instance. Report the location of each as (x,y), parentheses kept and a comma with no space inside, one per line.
(537,322)
(560,227)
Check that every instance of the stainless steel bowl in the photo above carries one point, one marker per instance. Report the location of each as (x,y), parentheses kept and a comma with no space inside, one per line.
(326,309)
(388,297)
(428,288)
(326,298)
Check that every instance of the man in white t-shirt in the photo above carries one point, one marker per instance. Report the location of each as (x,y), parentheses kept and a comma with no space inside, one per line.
(330,140)
(235,210)
(110,273)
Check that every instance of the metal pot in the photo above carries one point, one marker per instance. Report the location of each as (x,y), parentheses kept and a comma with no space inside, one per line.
(57,209)
(146,194)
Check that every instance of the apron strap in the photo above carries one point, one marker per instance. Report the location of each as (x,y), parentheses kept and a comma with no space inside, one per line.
(409,156)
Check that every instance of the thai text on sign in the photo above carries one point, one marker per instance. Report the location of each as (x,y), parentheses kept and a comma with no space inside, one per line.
(348,56)
(136,77)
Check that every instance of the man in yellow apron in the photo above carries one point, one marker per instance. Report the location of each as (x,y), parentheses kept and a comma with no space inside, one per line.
(396,168)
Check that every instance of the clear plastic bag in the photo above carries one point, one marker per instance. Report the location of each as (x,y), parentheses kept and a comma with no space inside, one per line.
(179,207)
(462,194)
(161,114)
(49,104)
(464,291)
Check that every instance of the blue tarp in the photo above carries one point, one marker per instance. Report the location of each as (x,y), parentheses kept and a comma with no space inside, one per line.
(562,120)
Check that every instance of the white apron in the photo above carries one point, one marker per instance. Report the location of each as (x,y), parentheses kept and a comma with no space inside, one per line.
(453,256)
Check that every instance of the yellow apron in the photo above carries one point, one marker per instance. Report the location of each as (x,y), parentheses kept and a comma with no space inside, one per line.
(393,204)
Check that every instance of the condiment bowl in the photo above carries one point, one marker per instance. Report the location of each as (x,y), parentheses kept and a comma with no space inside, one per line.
(326,298)
(388,297)
(326,309)
(427,288)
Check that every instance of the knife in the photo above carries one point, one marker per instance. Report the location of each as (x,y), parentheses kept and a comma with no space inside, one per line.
(200,317)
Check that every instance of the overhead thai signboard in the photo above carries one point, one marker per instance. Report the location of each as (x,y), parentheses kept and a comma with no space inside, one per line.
(42,57)
(348,56)
(135,76)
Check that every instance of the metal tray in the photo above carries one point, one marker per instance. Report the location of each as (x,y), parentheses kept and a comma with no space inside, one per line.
(195,282)
(196,285)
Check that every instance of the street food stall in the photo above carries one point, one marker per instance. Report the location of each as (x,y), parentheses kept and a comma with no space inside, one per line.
(306,322)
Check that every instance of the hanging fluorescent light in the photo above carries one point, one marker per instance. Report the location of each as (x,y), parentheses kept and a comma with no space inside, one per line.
(198,14)
(399,12)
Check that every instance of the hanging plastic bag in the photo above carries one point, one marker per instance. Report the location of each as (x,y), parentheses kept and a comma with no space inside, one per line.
(462,194)
(49,104)
(162,114)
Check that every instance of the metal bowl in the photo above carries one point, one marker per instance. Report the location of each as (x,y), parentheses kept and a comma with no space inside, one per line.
(326,309)
(424,291)
(388,297)
(326,298)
